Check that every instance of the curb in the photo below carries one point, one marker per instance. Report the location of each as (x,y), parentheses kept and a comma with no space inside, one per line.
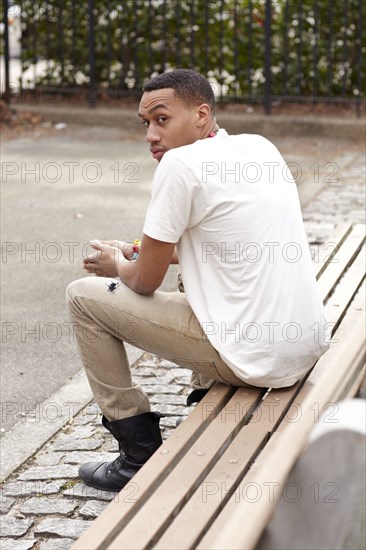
(24,439)
(235,123)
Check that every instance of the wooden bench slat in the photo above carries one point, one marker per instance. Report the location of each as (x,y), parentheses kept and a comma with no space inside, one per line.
(338,303)
(192,468)
(354,312)
(352,380)
(199,512)
(310,380)
(230,530)
(327,250)
(119,512)
(343,258)
(335,461)
(353,387)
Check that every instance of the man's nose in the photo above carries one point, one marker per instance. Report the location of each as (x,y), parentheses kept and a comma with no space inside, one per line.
(152,134)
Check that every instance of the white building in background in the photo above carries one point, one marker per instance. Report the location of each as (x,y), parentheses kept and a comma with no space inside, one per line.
(15,68)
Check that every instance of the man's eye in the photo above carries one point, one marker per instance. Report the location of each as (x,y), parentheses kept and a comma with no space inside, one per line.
(145,123)
(161,119)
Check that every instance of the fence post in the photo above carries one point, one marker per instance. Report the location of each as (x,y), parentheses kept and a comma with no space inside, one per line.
(267,59)
(91,46)
(6,53)
(359,60)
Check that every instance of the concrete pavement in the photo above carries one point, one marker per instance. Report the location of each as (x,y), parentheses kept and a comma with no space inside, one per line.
(58,192)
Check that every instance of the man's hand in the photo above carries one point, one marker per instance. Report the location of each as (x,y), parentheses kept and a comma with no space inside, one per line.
(112,259)
(125,248)
(104,262)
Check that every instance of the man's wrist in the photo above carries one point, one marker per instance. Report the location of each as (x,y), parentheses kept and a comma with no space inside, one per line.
(135,249)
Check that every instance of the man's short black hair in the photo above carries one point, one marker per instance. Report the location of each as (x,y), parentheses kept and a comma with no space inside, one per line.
(190,86)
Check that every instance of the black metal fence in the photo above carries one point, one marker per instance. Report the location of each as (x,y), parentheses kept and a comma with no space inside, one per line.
(252,51)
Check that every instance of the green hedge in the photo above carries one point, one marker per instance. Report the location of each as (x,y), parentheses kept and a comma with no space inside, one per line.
(141,38)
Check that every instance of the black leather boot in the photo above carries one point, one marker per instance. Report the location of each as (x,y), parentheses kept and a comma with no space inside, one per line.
(196,396)
(138,438)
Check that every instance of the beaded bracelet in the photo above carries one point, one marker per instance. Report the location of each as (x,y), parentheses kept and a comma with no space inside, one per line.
(135,249)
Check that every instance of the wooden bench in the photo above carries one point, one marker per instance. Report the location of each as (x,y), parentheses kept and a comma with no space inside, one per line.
(215,481)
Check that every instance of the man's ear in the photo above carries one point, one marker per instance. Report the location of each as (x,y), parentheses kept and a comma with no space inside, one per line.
(204,113)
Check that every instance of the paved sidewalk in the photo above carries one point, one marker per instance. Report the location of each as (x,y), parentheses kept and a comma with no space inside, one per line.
(44,506)
(343,199)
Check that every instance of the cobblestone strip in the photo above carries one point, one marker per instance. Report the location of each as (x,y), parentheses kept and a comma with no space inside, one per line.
(342,200)
(43,505)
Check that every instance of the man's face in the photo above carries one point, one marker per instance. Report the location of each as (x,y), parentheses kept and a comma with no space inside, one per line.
(169,121)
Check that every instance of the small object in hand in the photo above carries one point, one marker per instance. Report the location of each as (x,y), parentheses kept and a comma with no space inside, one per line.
(112,287)
(135,249)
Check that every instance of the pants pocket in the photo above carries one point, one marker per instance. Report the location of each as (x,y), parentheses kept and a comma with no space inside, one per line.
(204,368)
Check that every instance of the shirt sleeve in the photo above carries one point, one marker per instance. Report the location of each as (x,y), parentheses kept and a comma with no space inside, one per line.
(170,210)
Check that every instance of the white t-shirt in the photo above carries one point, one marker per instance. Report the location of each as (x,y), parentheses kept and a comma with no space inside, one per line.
(231,205)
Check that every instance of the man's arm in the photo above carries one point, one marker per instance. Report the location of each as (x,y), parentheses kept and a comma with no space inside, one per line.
(143,276)
(127,249)
(175,259)
(146,275)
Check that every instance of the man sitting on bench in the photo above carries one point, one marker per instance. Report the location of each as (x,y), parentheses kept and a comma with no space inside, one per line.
(226,208)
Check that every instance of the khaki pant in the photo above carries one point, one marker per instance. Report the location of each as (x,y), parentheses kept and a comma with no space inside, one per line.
(163,324)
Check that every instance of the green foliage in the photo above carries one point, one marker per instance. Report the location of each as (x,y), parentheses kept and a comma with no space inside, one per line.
(315,44)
